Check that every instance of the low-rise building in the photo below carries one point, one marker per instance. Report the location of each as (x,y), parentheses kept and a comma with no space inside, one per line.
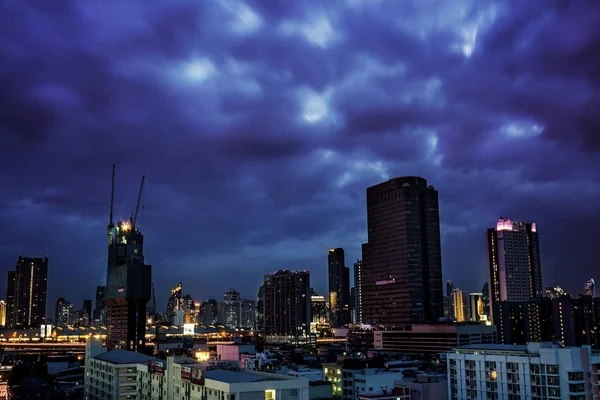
(534,371)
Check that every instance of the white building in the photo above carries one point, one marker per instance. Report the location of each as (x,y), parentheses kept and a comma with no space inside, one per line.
(112,374)
(172,381)
(534,371)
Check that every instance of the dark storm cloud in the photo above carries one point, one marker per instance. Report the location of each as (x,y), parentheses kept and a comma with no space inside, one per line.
(259,125)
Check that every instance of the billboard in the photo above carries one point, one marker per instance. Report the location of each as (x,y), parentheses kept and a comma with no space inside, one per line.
(197,376)
(189,329)
(186,373)
(156,367)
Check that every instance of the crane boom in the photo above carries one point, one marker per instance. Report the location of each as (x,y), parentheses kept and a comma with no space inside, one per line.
(137,207)
(112,198)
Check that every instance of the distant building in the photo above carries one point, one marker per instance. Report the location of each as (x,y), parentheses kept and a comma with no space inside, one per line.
(232,309)
(26,293)
(514,266)
(2,313)
(260,308)
(248,314)
(87,308)
(532,371)
(339,288)
(209,312)
(358,292)
(63,314)
(590,288)
(319,311)
(476,308)
(100,310)
(402,265)
(287,304)
(461,305)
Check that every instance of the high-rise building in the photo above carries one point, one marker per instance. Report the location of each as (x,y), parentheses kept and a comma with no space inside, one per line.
(87,308)
(358,292)
(2,313)
(287,303)
(248,314)
(590,288)
(476,309)
(449,287)
(175,306)
(402,264)
(339,288)
(209,312)
(260,308)
(514,267)
(26,293)
(461,305)
(64,313)
(128,283)
(100,310)
(231,309)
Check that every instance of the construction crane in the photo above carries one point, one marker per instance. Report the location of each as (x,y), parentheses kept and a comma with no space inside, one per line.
(137,207)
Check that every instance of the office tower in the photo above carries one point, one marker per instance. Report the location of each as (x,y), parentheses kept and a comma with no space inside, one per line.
(2,313)
(476,309)
(461,305)
(318,310)
(175,306)
(100,310)
(590,288)
(402,265)
(87,308)
(231,309)
(26,293)
(189,309)
(64,313)
(339,289)
(287,303)
(128,282)
(248,314)
(358,292)
(260,308)
(485,297)
(514,268)
(209,312)
(449,287)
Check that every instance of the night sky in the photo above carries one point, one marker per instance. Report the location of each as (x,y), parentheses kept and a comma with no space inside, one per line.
(260,124)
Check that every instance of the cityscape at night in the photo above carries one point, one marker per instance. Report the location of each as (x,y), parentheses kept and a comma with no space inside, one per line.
(351,200)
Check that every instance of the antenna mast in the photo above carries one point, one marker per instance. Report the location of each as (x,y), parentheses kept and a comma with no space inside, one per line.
(112,198)
(137,207)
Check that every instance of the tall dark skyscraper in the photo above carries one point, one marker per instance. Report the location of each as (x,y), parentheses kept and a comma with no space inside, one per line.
(128,282)
(26,293)
(339,289)
(99,311)
(514,266)
(287,305)
(402,265)
(87,308)
(358,291)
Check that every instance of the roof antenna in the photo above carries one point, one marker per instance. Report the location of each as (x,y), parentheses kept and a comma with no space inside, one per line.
(112,199)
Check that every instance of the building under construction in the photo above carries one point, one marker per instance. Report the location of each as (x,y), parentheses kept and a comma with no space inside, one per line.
(128,281)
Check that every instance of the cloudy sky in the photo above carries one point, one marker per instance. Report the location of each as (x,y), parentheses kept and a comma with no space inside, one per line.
(260,124)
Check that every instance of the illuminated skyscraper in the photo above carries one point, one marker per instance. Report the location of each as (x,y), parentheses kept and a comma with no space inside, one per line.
(358,292)
(2,313)
(339,288)
(100,310)
(476,308)
(461,305)
(402,265)
(26,293)
(128,283)
(514,267)
(232,309)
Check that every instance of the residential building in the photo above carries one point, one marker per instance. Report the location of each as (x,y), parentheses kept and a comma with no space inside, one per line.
(2,313)
(26,293)
(287,304)
(100,310)
(476,309)
(433,339)
(248,314)
(402,265)
(461,305)
(514,266)
(209,312)
(111,374)
(533,371)
(339,288)
(232,309)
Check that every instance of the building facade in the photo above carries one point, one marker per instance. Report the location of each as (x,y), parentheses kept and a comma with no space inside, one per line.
(287,304)
(461,305)
(232,309)
(514,266)
(402,266)
(534,371)
(357,292)
(100,309)
(339,288)
(26,293)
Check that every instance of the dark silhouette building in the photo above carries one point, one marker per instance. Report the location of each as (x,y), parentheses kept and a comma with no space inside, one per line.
(339,289)
(402,265)
(100,310)
(358,292)
(128,283)
(514,266)
(209,312)
(287,305)
(26,293)
(87,308)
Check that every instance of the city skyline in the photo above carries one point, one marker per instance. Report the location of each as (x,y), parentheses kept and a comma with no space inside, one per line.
(259,160)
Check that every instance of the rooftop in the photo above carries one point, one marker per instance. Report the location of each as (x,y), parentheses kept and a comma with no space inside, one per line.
(124,357)
(238,376)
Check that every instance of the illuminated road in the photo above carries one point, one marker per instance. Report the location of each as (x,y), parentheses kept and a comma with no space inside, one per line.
(48,347)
